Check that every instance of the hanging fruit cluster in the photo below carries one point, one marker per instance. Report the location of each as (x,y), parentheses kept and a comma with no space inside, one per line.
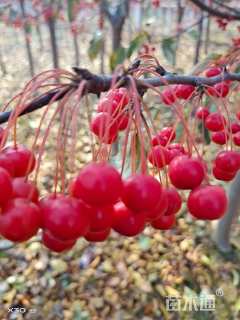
(160,168)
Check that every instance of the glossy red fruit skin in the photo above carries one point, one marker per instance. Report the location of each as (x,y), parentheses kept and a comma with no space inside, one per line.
(141,192)
(98,184)
(25,189)
(160,209)
(238,115)
(123,121)
(6,188)
(105,127)
(97,236)
(202,113)
(215,122)
(120,95)
(166,135)
(220,137)
(20,220)
(168,96)
(7,164)
(65,217)
(235,127)
(101,218)
(219,90)
(165,222)
(108,106)
(22,158)
(55,244)
(236,139)
(222,175)
(228,161)
(213,71)
(159,156)
(1,134)
(186,173)
(207,202)
(174,201)
(184,91)
(127,222)
(175,150)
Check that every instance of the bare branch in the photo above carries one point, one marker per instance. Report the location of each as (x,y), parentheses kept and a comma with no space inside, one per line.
(216,12)
(101,83)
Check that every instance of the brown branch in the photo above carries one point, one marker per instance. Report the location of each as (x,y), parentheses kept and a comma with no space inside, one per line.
(101,83)
(216,12)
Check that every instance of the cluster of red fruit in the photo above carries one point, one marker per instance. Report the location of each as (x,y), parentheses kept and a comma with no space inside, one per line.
(186,91)
(112,115)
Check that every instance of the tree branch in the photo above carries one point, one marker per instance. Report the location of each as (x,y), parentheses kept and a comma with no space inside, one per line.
(101,83)
(216,12)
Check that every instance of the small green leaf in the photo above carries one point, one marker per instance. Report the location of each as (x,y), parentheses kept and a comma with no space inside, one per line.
(95,45)
(117,57)
(169,47)
(136,43)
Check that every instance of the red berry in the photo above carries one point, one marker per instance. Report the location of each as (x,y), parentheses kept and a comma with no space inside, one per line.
(6,188)
(105,127)
(235,127)
(141,192)
(121,96)
(127,222)
(166,135)
(22,159)
(7,164)
(223,175)
(1,134)
(215,122)
(108,106)
(174,201)
(228,161)
(202,113)
(164,222)
(219,90)
(213,71)
(238,115)
(25,189)
(123,121)
(55,244)
(66,218)
(160,209)
(185,172)
(97,236)
(175,150)
(220,137)
(207,202)
(168,96)
(184,91)
(159,156)
(100,218)
(20,220)
(236,138)
(98,184)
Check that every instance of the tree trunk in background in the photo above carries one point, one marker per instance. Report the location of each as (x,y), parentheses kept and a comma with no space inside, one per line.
(199,40)
(102,56)
(222,232)
(39,34)
(52,31)
(2,65)
(116,36)
(207,36)
(76,49)
(27,41)
(180,14)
